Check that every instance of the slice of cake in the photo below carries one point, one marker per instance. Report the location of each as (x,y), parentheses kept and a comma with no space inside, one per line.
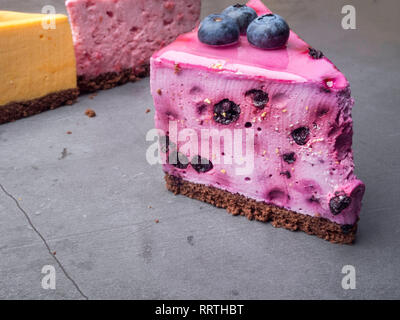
(37,63)
(263,133)
(114,40)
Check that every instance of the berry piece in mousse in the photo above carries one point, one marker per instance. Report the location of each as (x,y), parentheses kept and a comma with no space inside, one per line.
(300,135)
(178,160)
(166,145)
(315,54)
(289,157)
(226,112)
(296,138)
(286,173)
(218,30)
(269,31)
(346,228)
(259,98)
(201,165)
(242,14)
(338,203)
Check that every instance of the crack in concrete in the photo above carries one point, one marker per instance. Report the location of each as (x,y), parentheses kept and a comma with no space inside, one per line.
(44,242)
(78,234)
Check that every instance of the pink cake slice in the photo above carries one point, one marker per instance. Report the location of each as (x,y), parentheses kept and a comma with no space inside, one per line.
(298,106)
(114,39)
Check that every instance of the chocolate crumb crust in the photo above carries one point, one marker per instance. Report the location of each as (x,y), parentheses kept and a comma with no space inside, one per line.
(237,204)
(17,110)
(112,79)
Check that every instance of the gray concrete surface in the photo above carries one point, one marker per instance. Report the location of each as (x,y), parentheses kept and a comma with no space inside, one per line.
(96,206)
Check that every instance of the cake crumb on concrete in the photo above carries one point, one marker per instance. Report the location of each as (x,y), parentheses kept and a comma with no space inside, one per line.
(157,221)
(69,132)
(64,154)
(90,113)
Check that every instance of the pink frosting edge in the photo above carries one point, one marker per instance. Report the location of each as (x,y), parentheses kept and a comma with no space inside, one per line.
(290,64)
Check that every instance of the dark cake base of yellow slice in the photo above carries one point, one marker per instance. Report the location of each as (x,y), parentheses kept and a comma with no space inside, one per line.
(237,204)
(17,110)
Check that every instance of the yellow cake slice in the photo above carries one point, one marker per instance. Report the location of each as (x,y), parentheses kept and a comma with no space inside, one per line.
(37,64)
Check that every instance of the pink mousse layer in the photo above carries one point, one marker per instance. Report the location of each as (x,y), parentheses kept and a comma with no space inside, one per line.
(189,78)
(112,35)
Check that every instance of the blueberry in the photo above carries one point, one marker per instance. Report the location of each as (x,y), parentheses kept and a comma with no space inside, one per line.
(166,144)
(338,203)
(276,194)
(347,228)
(289,157)
(218,30)
(313,199)
(286,173)
(201,165)
(178,160)
(259,98)
(300,135)
(242,14)
(269,31)
(201,108)
(315,54)
(226,112)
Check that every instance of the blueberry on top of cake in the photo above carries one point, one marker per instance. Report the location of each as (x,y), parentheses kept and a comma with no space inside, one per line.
(294,102)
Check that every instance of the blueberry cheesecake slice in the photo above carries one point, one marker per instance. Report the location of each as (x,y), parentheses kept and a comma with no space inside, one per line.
(244,70)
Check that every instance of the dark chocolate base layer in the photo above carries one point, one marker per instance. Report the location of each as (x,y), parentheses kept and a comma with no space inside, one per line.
(237,204)
(17,110)
(112,79)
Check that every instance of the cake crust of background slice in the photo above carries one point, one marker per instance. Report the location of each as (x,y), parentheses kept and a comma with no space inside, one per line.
(38,70)
(303,177)
(114,40)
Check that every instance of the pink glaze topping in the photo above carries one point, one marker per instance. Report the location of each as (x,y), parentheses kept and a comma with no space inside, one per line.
(291,63)
(112,35)
(188,80)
